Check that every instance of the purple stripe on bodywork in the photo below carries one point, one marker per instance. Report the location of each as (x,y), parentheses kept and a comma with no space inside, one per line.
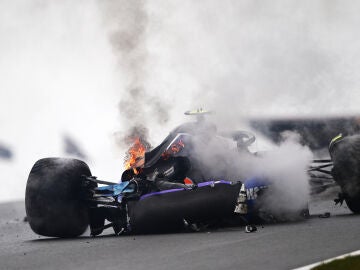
(203,184)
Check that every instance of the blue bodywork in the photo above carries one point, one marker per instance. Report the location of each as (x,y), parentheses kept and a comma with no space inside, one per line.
(252,186)
(117,189)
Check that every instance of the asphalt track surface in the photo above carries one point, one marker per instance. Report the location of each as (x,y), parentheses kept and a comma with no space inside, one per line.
(279,246)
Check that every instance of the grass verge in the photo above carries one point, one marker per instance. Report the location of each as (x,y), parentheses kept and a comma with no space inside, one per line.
(348,263)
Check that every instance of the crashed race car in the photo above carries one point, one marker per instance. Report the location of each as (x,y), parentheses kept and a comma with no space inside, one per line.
(169,189)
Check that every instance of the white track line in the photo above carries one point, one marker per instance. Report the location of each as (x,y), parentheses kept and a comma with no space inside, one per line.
(308,267)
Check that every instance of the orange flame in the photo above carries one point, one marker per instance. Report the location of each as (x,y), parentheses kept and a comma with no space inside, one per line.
(135,156)
(173,149)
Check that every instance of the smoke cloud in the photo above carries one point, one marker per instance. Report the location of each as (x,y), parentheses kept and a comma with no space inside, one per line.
(284,167)
(127,23)
(241,59)
(251,58)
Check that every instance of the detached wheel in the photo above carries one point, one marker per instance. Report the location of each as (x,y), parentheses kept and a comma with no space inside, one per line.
(54,197)
(345,153)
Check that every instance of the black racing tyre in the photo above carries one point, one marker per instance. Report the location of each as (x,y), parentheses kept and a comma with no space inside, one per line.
(54,197)
(345,154)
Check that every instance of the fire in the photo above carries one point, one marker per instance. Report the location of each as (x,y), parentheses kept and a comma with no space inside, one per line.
(176,147)
(135,155)
(173,149)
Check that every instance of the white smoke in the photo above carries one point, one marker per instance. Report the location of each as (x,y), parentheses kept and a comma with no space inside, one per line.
(238,58)
(266,58)
(284,167)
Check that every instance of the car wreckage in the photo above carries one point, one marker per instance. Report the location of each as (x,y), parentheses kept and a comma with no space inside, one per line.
(166,189)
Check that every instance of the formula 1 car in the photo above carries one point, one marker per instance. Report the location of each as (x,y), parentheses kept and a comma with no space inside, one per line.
(169,189)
